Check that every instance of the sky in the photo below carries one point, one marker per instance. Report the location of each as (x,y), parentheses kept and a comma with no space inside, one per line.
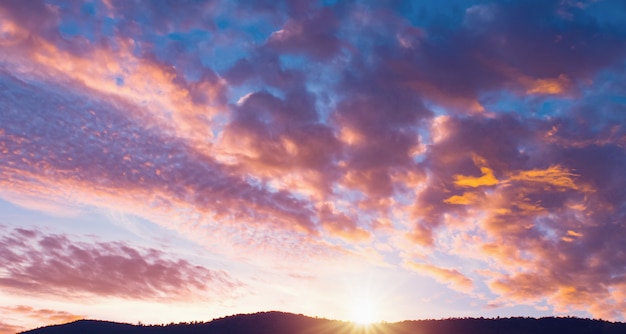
(167,161)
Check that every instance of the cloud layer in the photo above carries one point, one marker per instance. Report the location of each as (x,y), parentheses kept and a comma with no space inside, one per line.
(41,316)
(40,264)
(479,143)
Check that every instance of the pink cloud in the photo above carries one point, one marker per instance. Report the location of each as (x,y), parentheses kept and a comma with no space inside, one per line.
(451,277)
(43,316)
(540,216)
(54,265)
(119,157)
(378,119)
(389,122)
(19,318)
(314,35)
(6,328)
(342,225)
(275,138)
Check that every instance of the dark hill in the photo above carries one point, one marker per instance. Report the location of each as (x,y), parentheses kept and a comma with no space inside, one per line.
(278,323)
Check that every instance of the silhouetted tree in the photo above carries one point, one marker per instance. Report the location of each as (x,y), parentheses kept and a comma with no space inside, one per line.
(279,323)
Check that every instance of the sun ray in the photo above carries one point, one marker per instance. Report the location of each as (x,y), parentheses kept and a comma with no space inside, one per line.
(364,311)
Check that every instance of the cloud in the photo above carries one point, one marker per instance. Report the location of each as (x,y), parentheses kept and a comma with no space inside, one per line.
(486,179)
(18,318)
(293,131)
(120,155)
(378,118)
(451,277)
(469,156)
(126,162)
(500,48)
(342,225)
(556,176)
(6,328)
(314,36)
(40,264)
(283,138)
(533,212)
(265,68)
(44,316)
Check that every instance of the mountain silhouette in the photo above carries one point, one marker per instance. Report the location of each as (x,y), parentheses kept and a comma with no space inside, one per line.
(279,322)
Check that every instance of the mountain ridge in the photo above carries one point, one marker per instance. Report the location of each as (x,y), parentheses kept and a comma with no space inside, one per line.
(282,322)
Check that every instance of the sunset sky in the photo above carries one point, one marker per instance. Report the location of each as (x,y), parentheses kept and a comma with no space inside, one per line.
(166,161)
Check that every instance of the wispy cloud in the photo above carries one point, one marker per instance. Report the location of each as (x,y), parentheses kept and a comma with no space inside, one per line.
(40,264)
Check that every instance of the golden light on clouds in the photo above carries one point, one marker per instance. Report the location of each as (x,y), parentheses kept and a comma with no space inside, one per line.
(278,150)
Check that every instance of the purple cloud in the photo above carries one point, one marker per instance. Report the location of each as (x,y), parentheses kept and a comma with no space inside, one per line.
(484,132)
(41,264)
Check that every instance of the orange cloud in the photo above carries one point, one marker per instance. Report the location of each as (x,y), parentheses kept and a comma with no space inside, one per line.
(465,199)
(375,182)
(545,86)
(421,235)
(160,95)
(487,178)
(341,225)
(513,203)
(350,136)
(506,255)
(571,236)
(22,317)
(10,32)
(557,176)
(451,277)
(44,316)
(574,233)
(554,86)
(564,295)
(605,138)
(6,328)
(523,286)
(154,87)
(280,139)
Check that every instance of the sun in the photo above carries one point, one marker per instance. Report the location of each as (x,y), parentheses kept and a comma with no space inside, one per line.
(363,312)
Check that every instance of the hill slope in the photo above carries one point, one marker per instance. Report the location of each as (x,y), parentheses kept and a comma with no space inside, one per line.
(278,323)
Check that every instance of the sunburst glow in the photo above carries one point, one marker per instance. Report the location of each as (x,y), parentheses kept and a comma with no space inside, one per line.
(363,312)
